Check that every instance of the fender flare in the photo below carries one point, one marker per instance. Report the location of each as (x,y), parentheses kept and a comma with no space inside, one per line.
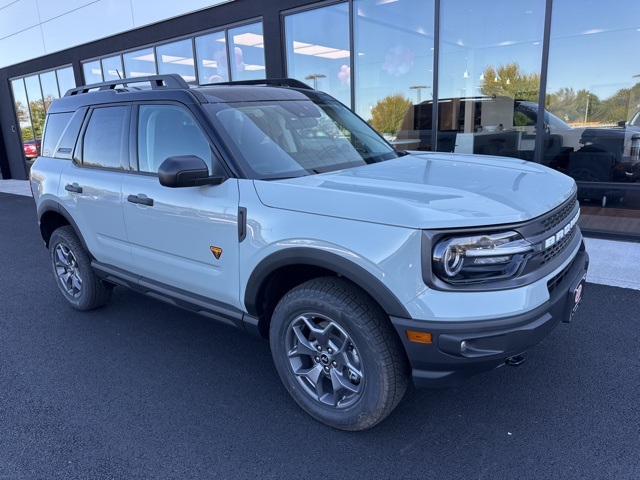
(53,206)
(320,258)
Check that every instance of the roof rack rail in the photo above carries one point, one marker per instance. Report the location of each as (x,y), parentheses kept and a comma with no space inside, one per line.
(280,82)
(172,80)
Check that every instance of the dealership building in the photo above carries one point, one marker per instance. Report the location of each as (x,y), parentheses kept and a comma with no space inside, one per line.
(547,81)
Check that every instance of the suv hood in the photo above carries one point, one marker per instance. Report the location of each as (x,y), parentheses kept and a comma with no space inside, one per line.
(431,190)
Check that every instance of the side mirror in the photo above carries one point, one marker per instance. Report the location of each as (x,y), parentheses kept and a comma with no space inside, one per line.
(622,123)
(186,171)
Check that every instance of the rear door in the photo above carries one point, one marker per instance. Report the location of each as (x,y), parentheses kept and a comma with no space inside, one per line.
(90,186)
(185,238)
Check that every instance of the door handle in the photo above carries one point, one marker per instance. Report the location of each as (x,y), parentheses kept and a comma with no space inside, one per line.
(73,187)
(143,201)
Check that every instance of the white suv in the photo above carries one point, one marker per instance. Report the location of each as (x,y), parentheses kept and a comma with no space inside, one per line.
(273,208)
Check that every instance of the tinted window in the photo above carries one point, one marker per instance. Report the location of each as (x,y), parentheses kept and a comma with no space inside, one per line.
(104,138)
(64,148)
(167,131)
(55,125)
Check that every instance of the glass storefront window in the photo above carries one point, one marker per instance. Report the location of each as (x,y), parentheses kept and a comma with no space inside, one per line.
(177,58)
(140,63)
(593,87)
(36,106)
(21,104)
(92,72)
(246,51)
(49,84)
(393,61)
(488,80)
(112,68)
(318,49)
(211,51)
(66,79)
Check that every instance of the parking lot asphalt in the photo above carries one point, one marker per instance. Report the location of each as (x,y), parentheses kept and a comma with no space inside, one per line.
(139,389)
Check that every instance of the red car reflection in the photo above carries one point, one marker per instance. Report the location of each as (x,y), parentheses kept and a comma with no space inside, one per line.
(32,148)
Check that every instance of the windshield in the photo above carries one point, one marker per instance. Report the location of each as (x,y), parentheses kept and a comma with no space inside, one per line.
(293,138)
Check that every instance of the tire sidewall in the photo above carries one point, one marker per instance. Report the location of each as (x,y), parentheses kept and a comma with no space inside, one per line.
(67,237)
(372,396)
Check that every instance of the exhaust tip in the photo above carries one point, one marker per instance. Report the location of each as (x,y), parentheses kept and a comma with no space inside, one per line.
(515,361)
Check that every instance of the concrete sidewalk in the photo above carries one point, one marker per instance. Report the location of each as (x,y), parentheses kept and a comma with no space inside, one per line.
(612,263)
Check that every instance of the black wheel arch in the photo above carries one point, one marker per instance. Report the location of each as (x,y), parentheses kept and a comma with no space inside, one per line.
(309,263)
(52,215)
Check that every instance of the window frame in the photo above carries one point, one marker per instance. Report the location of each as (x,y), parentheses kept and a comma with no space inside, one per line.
(79,153)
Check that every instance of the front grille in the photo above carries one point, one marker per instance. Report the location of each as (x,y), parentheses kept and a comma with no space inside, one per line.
(557,279)
(557,248)
(557,217)
(539,231)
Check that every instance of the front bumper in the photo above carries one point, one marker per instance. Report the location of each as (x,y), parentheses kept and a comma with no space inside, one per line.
(489,343)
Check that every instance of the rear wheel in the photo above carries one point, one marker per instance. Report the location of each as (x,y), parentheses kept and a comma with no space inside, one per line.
(337,354)
(74,276)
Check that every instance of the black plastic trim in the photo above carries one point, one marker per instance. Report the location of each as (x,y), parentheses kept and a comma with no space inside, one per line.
(205,306)
(172,80)
(242,224)
(52,206)
(319,258)
(278,82)
(489,342)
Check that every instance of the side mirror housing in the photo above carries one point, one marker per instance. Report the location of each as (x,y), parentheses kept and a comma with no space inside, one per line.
(622,123)
(186,171)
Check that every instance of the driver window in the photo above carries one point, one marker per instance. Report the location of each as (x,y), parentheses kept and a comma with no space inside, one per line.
(167,131)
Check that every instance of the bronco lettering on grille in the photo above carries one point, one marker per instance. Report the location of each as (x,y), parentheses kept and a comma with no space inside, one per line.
(560,234)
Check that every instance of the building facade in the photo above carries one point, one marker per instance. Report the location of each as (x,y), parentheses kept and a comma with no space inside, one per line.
(547,81)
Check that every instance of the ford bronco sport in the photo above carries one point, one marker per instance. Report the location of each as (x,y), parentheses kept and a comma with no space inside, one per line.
(271,207)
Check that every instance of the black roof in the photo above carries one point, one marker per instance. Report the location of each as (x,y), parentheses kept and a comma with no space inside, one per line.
(173,87)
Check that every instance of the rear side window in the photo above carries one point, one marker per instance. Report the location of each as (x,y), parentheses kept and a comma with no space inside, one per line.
(56,124)
(104,138)
(67,141)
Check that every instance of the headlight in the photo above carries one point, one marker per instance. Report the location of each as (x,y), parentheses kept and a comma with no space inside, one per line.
(480,258)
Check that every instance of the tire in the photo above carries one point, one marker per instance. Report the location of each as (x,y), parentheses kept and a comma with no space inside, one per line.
(337,354)
(72,270)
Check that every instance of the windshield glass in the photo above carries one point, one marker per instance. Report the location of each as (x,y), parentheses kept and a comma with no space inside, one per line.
(293,138)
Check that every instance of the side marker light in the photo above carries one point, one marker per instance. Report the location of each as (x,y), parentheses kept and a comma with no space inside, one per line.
(419,337)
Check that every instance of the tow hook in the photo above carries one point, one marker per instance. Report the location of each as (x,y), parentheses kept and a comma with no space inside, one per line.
(515,361)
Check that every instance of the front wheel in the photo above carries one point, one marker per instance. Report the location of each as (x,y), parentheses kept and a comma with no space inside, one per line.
(337,354)
(74,276)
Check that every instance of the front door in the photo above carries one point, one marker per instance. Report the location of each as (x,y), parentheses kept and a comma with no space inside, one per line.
(186,238)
